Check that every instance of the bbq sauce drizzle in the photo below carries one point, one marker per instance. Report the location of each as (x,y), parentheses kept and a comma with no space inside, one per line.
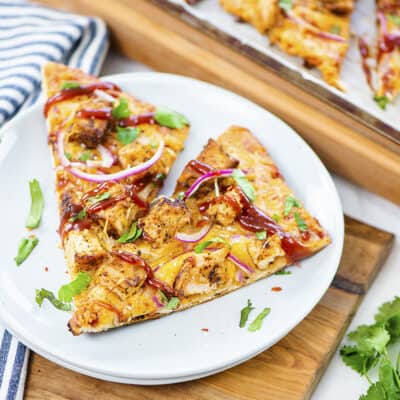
(254,220)
(69,93)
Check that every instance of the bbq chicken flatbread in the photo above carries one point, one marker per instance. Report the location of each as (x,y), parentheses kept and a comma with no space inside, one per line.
(231,221)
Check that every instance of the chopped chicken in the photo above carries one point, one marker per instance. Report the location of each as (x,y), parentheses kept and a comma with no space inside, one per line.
(263,253)
(90,132)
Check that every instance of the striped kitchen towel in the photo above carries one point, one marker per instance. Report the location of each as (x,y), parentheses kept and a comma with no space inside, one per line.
(31,35)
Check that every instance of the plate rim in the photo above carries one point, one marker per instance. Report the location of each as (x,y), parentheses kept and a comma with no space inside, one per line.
(147,378)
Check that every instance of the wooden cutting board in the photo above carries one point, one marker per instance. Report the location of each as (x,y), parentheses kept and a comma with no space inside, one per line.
(290,370)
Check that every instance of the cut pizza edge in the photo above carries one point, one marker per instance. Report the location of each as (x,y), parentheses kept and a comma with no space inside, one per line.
(193,277)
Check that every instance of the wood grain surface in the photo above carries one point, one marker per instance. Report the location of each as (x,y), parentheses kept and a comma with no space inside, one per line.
(145,32)
(290,370)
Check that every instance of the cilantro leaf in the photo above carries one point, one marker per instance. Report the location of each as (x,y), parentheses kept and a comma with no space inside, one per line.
(199,248)
(26,245)
(300,222)
(180,195)
(370,338)
(121,110)
(81,215)
(395,19)
(262,235)
(46,294)
(131,235)
(257,323)
(375,392)
(84,156)
(173,303)
(68,156)
(389,379)
(169,118)
(389,315)
(67,292)
(37,204)
(286,4)
(382,101)
(276,217)
(99,197)
(163,297)
(70,85)
(283,272)
(244,314)
(127,135)
(358,361)
(335,29)
(244,184)
(290,202)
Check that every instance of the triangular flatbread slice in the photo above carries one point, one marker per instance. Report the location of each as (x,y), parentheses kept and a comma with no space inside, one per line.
(207,240)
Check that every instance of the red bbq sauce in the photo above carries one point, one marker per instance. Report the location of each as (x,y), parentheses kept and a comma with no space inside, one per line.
(69,93)
(200,167)
(66,225)
(151,280)
(364,51)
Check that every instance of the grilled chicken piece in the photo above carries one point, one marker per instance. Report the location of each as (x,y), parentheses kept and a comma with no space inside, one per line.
(201,273)
(264,252)
(90,132)
(261,14)
(83,250)
(166,217)
(339,6)
(225,208)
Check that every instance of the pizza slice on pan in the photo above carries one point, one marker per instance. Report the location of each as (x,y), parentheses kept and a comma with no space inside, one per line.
(232,221)
(316,31)
(388,53)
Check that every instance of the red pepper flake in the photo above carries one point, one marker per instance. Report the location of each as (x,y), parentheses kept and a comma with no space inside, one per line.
(204,329)
(276,289)
(66,272)
(297,264)
(46,269)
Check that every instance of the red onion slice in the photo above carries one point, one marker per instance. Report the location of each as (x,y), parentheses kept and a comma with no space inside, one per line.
(107,158)
(101,94)
(209,175)
(313,29)
(240,264)
(193,237)
(157,302)
(117,176)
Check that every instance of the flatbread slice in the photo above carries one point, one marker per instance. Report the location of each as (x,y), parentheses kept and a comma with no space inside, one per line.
(203,242)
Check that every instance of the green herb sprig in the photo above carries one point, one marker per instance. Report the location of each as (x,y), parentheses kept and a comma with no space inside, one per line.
(37,204)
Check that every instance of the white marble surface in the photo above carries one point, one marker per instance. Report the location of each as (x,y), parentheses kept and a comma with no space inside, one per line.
(339,382)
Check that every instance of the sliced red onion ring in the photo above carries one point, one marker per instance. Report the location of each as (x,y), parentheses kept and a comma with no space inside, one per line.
(382,22)
(157,302)
(61,153)
(117,176)
(240,264)
(193,237)
(107,158)
(313,29)
(206,177)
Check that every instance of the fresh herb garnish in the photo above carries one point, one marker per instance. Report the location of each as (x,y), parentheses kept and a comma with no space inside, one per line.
(382,101)
(370,349)
(67,292)
(169,118)
(85,156)
(286,4)
(159,178)
(70,85)
(395,19)
(37,204)
(131,235)
(242,181)
(25,248)
(283,272)
(335,29)
(121,110)
(68,156)
(172,304)
(290,202)
(46,294)
(276,218)
(99,197)
(244,314)
(180,195)
(153,145)
(257,323)
(199,248)
(301,224)
(81,215)
(262,235)
(163,297)
(127,135)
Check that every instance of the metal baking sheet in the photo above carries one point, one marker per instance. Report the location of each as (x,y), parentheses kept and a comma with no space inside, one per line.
(357,101)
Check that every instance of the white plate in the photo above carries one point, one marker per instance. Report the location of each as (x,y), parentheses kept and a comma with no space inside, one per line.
(174,348)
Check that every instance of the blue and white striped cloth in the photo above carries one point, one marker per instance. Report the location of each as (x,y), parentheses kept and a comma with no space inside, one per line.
(30,35)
